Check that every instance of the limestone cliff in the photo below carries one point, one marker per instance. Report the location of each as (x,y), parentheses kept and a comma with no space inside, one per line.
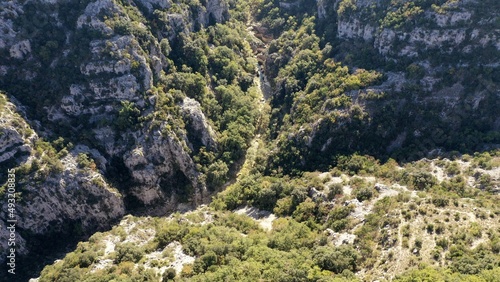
(53,191)
(107,54)
(415,28)
(89,72)
(444,50)
(16,136)
(437,89)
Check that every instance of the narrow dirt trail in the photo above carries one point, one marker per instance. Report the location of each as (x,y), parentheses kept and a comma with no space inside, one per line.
(263,88)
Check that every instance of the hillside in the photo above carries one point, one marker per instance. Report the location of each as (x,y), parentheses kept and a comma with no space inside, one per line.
(227,140)
(365,222)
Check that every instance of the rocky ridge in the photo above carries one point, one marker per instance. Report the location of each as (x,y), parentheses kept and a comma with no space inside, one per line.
(445,25)
(119,67)
(109,59)
(16,137)
(437,67)
(55,194)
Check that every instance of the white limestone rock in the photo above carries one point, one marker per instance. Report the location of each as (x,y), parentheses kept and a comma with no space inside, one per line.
(9,11)
(199,124)
(20,49)
(217,9)
(73,195)
(156,159)
(450,28)
(321,8)
(90,17)
(16,136)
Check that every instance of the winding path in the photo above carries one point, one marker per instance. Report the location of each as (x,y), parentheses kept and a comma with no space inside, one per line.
(264,94)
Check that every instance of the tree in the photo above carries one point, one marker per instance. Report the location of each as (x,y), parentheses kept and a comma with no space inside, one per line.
(127,116)
(169,274)
(128,252)
(336,259)
(217,174)
(165,47)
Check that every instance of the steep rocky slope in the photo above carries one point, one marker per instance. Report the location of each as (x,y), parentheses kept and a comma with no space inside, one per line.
(88,61)
(435,88)
(363,219)
(420,29)
(150,106)
(56,192)
(132,128)
(17,138)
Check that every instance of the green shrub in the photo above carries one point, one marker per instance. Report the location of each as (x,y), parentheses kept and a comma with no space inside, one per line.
(305,210)
(336,259)
(483,160)
(440,202)
(128,252)
(289,234)
(169,232)
(443,243)
(217,174)
(364,194)
(421,180)
(338,217)
(127,116)
(334,190)
(452,168)
(418,244)
(430,228)
(169,274)
(202,263)
(357,164)
(83,160)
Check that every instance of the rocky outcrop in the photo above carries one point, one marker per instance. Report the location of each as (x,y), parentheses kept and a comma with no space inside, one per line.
(56,195)
(353,28)
(116,66)
(289,5)
(97,55)
(97,96)
(444,28)
(19,50)
(161,167)
(9,10)
(321,9)
(439,63)
(118,59)
(74,195)
(198,123)
(216,11)
(16,136)
(152,5)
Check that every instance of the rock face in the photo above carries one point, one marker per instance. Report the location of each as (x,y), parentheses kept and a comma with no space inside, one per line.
(321,8)
(160,166)
(97,94)
(61,201)
(16,137)
(432,41)
(73,195)
(76,65)
(216,10)
(51,198)
(445,28)
(438,62)
(355,29)
(152,5)
(117,60)
(191,109)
